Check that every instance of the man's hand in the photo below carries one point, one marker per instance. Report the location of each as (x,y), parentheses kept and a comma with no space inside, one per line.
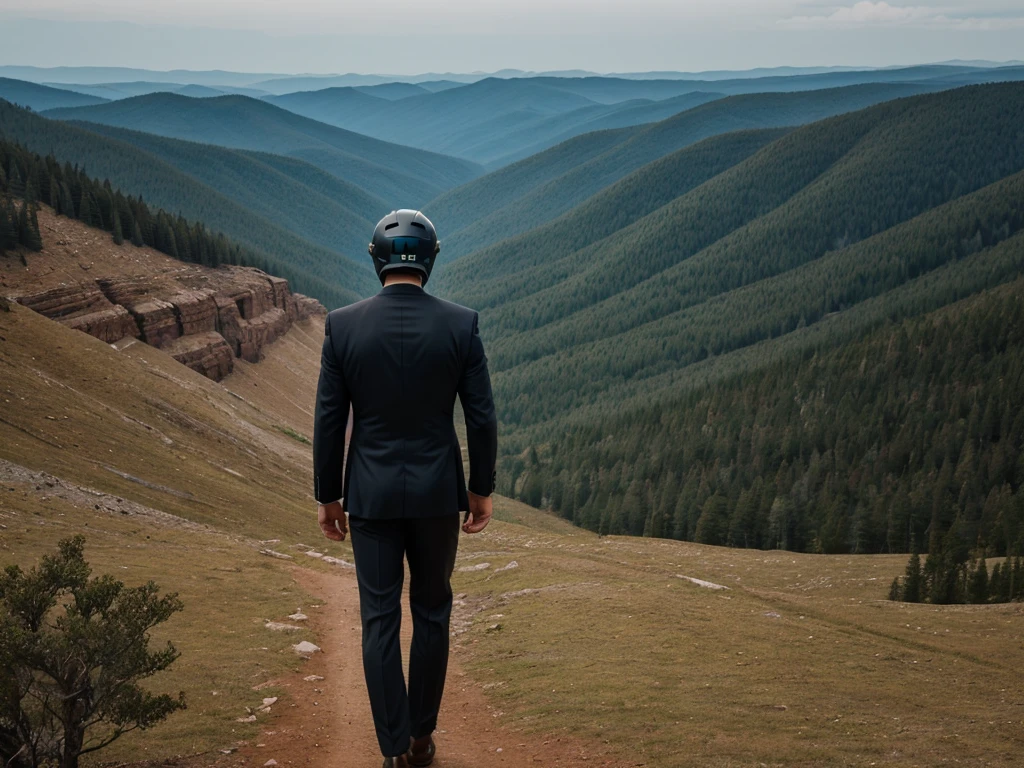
(332,521)
(480,509)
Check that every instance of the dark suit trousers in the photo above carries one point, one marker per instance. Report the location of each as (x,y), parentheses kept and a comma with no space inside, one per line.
(379,547)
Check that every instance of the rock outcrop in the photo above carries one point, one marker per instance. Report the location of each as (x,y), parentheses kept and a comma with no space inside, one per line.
(204,318)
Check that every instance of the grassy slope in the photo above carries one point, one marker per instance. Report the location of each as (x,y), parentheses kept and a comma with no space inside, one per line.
(137,172)
(802,662)
(245,123)
(489,209)
(85,412)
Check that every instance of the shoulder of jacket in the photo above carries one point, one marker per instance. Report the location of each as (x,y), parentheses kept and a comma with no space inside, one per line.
(455,309)
(337,318)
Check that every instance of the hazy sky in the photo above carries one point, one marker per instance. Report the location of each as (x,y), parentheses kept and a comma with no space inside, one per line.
(401,36)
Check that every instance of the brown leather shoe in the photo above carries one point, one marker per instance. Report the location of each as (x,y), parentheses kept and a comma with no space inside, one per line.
(421,753)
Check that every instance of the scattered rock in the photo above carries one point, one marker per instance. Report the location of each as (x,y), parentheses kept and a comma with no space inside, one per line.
(701,582)
(314,553)
(249,719)
(280,626)
(508,567)
(298,616)
(337,561)
(305,647)
(313,678)
(477,567)
(269,700)
(494,627)
(278,555)
(270,762)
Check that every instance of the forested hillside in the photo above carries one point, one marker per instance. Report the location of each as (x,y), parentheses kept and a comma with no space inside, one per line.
(140,173)
(505,271)
(536,190)
(408,177)
(291,193)
(608,355)
(824,186)
(865,447)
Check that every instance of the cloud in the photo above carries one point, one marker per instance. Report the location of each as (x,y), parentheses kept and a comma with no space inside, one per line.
(881,14)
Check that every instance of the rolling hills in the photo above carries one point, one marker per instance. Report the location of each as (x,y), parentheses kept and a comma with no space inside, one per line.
(406,176)
(533,191)
(41,97)
(451,121)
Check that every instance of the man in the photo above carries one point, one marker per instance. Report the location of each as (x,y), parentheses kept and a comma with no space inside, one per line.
(399,359)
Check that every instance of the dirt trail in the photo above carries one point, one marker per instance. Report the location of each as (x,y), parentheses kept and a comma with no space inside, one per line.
(327,723)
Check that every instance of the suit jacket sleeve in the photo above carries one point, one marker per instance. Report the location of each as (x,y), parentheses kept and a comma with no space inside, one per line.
(481,421)
(330,422)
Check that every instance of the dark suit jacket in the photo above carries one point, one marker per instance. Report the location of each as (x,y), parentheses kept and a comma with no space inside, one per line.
(399,358)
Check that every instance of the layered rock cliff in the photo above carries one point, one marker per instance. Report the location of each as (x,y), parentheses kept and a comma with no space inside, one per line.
(204,318)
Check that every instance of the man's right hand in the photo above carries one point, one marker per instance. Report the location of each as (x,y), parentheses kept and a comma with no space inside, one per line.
(480,510)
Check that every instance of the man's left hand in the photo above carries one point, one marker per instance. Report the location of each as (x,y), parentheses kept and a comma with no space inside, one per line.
(332,521)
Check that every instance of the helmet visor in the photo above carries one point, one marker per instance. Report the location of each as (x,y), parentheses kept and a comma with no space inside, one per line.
(409,248)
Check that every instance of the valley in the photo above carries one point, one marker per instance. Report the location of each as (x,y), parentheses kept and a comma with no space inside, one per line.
(753,339)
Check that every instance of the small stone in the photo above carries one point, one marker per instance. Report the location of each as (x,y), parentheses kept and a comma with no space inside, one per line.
(249,719)
(494,627)
(271,761)
(278,626)
(278,555)
(305,647)
(477,567)
(269,700)
(313,678)
(298,616)
(337,561)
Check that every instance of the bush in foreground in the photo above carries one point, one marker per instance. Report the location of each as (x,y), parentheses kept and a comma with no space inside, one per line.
(72,653)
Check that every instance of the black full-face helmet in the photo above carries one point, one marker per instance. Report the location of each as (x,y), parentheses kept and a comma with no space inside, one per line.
(406,240)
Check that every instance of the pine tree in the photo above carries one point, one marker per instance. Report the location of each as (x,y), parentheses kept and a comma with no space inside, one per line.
(118,235)
(895,590)
(15,184)
(34,237)
(8,231)
(85,209)
(978,589)
(137,234)
(912,583)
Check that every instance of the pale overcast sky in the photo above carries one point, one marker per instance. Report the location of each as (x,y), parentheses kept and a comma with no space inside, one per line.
(401,36)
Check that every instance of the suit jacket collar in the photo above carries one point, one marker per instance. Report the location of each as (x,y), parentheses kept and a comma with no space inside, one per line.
(401,288)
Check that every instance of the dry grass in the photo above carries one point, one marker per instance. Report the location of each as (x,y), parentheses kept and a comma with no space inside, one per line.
(800,662)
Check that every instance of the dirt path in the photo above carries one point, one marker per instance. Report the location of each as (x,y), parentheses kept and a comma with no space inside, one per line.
(327,723)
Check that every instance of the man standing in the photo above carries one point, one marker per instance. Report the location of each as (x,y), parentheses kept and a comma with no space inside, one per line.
(399,359)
